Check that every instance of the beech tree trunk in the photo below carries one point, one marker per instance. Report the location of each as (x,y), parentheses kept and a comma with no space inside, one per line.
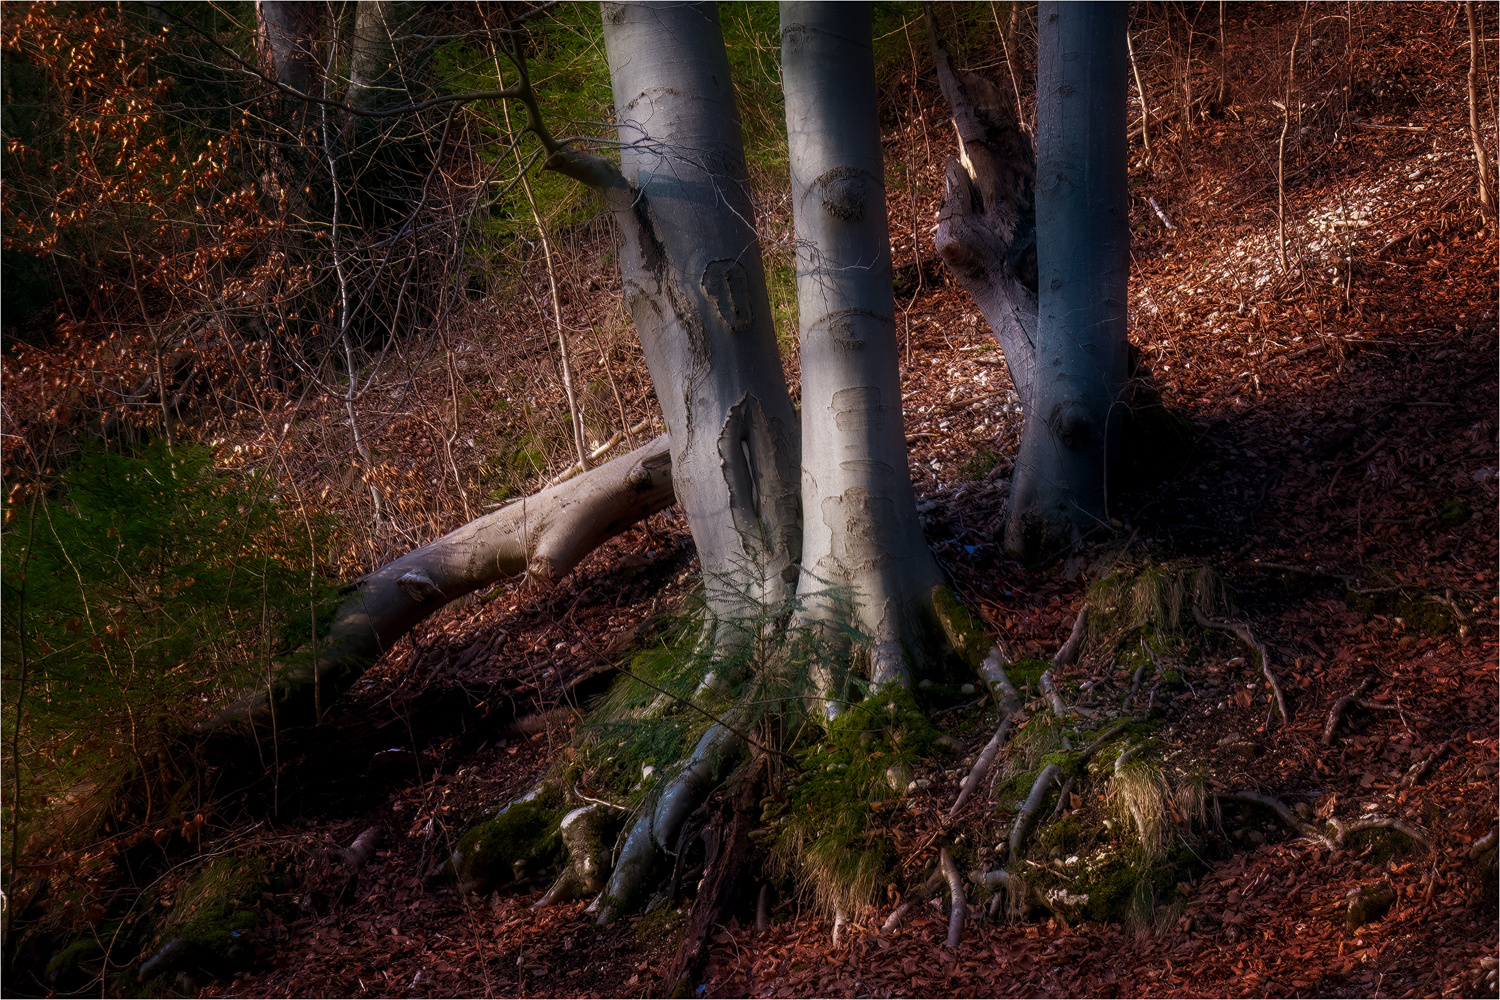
(695,285)
(1045,251)
(284,32)
(862,544)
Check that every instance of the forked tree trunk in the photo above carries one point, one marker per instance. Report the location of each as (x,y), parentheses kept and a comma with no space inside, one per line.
(694,283)
(862,544)
(1044,250)
(1061,488)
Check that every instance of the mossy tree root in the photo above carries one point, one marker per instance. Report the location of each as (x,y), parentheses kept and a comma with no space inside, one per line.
(656,827)
(1068,652)
(1021,828)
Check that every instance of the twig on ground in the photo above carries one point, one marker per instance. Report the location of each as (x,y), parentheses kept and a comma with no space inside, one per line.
(1054,699)
(1242,631)
(1336,713)
(960,905)
(1069,651)
(1342,829)
(1027,815)
(1419,770)
(916,899)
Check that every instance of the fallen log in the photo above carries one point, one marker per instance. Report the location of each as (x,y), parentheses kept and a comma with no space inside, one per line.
(543,536)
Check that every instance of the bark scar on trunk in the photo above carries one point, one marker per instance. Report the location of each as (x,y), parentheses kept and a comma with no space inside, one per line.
(754,467)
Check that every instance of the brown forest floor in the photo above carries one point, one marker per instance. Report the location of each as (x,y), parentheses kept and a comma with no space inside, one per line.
(1346,426)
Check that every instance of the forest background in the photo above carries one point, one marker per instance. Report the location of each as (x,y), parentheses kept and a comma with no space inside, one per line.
(220,406)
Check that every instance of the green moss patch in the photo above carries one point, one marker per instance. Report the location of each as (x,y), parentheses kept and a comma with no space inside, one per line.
(520,842)
(830,833)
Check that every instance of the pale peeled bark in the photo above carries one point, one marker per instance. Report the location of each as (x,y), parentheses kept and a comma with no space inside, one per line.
(694,283)
(1061,487)
(862,542)
(543,536)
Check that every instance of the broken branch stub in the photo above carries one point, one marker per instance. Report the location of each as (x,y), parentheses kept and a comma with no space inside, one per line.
(543,536)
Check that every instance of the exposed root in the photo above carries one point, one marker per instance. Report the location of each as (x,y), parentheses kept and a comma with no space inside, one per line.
(1341,830)
(1135,687)
(992,671)
(1054,699)
(893,921)
(839,920)
(357,853)
(1418,771)
(587,855)
(1027,816)
(983,764)
(763,909)
(1011,892)
(1480,846)
(1336,713)
(657,825)
(726,841)
(960,905)
(1104,737)
(1062,801)
(1069,651)
(1243,633)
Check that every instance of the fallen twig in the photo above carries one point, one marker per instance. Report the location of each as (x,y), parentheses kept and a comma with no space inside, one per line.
(960,905)
(921,896)
(1027,815)
(1069,651)
(1336,713)
(1243,633)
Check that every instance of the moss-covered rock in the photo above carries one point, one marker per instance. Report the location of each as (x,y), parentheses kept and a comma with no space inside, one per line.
(521,841)
(211,925)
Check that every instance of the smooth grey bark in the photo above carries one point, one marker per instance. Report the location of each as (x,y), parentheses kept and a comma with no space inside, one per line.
(543,536)
(695,285)
(862,544)
(1061,487)
(1043,246)
(286,31)
(373,80)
